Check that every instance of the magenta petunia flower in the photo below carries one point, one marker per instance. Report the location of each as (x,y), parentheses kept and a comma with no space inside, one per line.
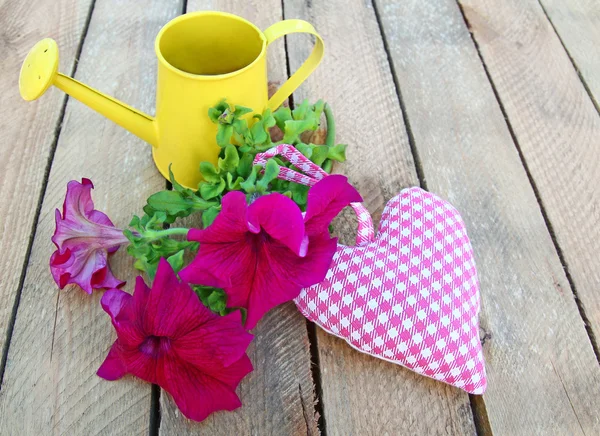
(265,253)
(84,237)
(165,335)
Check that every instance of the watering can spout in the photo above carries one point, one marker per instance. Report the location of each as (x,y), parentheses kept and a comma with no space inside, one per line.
(40,70)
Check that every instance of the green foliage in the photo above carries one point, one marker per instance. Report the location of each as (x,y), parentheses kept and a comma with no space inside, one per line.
(148,244)
(240,136)
(241,139)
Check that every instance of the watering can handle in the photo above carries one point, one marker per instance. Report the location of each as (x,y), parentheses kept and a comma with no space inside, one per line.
(287,27)
(312,174)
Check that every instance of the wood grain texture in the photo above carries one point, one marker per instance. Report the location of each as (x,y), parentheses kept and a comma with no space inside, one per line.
(277,397)
(27,129)
(61,338)
(363,395)
(577,22)
(543,377)
(556,126)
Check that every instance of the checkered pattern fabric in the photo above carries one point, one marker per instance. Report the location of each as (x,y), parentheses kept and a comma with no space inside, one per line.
(410,295)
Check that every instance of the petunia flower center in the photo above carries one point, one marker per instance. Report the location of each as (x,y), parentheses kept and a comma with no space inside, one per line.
(257,240)
(155,346)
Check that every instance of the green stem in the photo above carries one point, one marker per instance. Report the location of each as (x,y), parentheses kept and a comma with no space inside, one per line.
(152,235)
(330,139)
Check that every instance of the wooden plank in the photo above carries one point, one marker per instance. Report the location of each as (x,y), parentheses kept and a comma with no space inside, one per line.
(577,22)
(543,377)
(60,339)
(361,394)
(556,126)
(27,129)
(277,396)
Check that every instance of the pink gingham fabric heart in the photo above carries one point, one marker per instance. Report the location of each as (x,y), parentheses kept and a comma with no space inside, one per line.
(410,295)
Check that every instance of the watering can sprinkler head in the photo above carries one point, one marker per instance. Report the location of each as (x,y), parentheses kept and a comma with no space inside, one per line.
(39,69)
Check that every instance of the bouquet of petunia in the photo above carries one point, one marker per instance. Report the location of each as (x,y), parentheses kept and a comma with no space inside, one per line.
(262,240)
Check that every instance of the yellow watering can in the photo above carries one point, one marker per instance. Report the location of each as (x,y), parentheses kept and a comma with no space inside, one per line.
(203,57)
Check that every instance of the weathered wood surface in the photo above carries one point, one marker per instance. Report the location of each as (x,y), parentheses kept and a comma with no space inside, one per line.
(278,395)
(27,131)
(61,338)
(363,395)
(542,372)
(556,126)
(577,22)
(543,377)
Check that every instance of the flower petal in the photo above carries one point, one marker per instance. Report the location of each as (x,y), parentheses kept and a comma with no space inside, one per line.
(119,306)
(78,201)
(313,268)
(172,308)
(232,263)
(221,341)
(280,218)
(229,225)
(326,199)
(84,237)
(198,394)
(113,302)
(280,275)
(79,267)
(112,368)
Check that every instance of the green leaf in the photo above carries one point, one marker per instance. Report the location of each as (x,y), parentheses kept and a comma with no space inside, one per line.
(234,185)
(268,119)
(203,292)
(176,260)
(249,184)
(176,186)
(299,193)
(217,301)
(209,172)
(282,115)
(209,215)
(270,174)
(318,108)
(214,114)
(209,190)
(224,133)
(259,135)
(135,223)
(241,111)
(165,206)
(304,149)
(299,112)
(231,160)
(172,202)
(338,152)
(328,165)
(294,128)
(319,153)
(245,165)
(213,298)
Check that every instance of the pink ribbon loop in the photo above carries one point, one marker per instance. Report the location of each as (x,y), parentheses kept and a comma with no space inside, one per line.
(312,174)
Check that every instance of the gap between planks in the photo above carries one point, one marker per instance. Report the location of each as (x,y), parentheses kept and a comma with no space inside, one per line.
(409,132)
(38,209)
(315,363)
(577,70)
(592,338)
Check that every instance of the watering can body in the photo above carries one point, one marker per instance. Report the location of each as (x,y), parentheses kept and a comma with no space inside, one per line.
(203,57)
